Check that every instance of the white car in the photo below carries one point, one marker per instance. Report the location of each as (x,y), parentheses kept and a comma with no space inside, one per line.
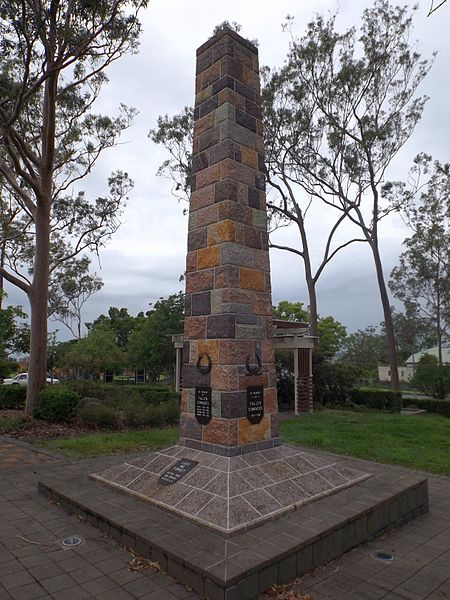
(22,379)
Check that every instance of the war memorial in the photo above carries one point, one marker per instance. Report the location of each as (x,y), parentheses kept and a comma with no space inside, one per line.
(230,510)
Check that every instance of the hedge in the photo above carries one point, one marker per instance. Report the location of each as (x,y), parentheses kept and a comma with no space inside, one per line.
(56,404)
(439,407)
(120,394)
(378,399)
(13,397)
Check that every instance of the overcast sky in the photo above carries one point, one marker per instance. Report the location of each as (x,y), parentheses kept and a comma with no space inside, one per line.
(146,257)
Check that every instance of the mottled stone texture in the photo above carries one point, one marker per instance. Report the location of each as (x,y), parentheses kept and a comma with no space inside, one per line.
(227,268)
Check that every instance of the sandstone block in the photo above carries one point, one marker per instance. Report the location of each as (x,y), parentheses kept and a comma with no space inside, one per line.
(206,107)
(246,120)
(235,352)
(250,78)
(210,75)
(262,304)
(221,431)
(202,197)
(208,139)
(189,427)
(204,60)
(226,189)
(200,161)
(224,46)
(234,405)
(226,276)
(191,261)
(270,400)
(230,66)
(253,237)
(216,301)
(249,157)
(254,433)
(252,279)
(223,231)
(208,176)
(224,379)
(209,347)
(195,328)
(197,239)
(235,211)
(221,326)
(250,332)
(208,257)
(192,377)
(259,219)
(227,94)
(233,131)
(236,254)
(224,149)
(204,124)
(201,304)
(240,172)
(206,216)
(203,95)
(199,281)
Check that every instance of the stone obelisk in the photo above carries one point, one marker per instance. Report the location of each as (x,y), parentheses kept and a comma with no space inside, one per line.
(229,400)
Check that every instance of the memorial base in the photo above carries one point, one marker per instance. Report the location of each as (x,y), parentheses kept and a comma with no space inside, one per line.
(241,567)
(230,494)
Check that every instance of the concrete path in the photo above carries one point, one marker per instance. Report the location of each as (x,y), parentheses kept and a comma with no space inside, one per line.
(34,565)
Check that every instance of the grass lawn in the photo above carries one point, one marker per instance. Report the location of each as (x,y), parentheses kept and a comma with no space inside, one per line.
(98,444)
(420,442)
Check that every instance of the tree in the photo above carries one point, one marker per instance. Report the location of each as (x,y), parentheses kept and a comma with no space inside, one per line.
(14,331)
(412,333)
(366,349)
(94,354)
(52,67)
(432,378)
(119,322)
(422,278)
(331,332)
(70,292)
(150,346)
(350,100)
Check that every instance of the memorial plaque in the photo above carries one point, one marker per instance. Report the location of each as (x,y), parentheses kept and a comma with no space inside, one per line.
(177,471)
(203,404)
(255,403)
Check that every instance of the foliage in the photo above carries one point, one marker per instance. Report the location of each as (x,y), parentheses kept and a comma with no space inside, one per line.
(431,378)
(98,415)
(411,333)
(436,406)
(150,345)
(330,331)
(70,291)
(7,366)
(14,425)
(14,331)
(120,322)
(52,69)
(121,394)
(56,404)
(12,397)
(337,114)
(365,349)
(176,135)
(422,278)
(94,354)
(379,399)
(419,443)
(332,381)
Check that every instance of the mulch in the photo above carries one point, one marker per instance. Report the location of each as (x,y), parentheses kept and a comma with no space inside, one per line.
(33,430)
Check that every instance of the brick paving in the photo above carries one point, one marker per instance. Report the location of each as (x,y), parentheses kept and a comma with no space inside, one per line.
(34,565)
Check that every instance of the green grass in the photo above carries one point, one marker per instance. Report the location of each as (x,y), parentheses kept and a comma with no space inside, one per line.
(112,443)
(419,442)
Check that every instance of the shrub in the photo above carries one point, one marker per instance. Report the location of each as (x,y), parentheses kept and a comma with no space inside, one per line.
(431,379)
(378,399)
(171,412)
(333,381)
(12,397)
(440,407)
(121,394)
(143,416)
(97,414)
(16,424)
(56,404)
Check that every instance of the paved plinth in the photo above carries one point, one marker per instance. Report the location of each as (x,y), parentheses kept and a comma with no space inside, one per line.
(241,567)
(232,494)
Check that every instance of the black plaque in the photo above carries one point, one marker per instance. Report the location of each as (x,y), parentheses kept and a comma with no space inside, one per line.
(177,471)
(255,403)
(203,404)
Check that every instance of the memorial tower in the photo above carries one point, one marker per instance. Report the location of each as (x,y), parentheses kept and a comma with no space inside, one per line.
(229,400)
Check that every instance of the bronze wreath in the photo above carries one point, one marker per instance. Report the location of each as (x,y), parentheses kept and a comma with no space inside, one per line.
(253,369)
(204,369)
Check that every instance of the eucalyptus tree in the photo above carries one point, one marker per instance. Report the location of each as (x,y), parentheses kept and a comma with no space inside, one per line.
(421,280)
(53,57)
(340,110)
